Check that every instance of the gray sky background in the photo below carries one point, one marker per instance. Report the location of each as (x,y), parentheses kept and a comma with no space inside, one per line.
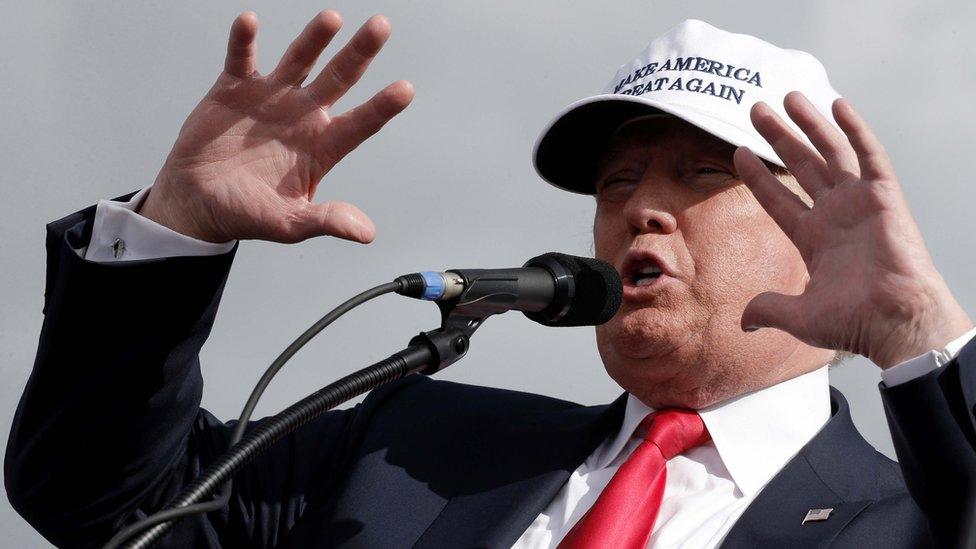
(92,95)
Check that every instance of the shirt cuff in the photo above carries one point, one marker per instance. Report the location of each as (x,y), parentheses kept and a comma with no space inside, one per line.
(119,233)
(926,362)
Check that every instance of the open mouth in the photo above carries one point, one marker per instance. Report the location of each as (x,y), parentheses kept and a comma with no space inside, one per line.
(645,276)
(641,271)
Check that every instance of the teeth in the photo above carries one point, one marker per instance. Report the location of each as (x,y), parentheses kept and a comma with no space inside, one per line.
(646,275)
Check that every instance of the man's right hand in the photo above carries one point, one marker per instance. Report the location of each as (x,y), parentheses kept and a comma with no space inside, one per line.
(249,157)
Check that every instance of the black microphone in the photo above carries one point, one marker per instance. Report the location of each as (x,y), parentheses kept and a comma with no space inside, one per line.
(553,289)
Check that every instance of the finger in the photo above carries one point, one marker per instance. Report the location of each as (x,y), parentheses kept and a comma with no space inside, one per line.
(241,61)
(871,154)
(350,63)
(773,310)
(355,126)
(831,143)
(802,161)
(339,219)
(301,55)
(778,201)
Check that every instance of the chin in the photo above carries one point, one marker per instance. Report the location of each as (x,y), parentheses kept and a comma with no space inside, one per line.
(646,333)
(657,356)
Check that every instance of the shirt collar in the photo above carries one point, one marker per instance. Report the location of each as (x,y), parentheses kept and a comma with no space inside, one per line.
(755,434)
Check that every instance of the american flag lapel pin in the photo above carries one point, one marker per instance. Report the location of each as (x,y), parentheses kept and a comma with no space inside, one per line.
(817,515)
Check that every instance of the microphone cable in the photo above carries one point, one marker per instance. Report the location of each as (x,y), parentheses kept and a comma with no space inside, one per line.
(566,277)
(156,521)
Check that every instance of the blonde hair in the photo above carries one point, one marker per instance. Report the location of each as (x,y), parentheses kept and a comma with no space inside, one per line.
(789,181)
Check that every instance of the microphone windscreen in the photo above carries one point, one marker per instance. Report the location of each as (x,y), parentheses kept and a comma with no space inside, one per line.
(596,295)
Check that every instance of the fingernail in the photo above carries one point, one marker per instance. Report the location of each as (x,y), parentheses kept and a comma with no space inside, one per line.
(844,104)
(367,233)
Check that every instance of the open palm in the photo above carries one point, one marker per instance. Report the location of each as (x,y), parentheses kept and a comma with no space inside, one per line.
(873,289)
(250,156)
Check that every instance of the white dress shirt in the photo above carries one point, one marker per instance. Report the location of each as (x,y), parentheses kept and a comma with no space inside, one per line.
(707,488)
(119,233)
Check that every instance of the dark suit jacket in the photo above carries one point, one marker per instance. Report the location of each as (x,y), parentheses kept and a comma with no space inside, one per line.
(109,428)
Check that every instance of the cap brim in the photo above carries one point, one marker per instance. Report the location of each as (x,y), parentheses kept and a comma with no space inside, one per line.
(568,150)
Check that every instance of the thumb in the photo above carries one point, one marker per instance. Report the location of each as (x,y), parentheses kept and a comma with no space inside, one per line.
(772,310)
(338,219)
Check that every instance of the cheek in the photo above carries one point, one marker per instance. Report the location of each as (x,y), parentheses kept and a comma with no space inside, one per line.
(607,232)
(740,252)
(775,262)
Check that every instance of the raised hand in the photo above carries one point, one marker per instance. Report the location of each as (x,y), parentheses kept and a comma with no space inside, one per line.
(873,289)
(249,157)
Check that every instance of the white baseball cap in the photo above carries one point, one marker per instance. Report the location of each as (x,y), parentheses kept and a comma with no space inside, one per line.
(705,76)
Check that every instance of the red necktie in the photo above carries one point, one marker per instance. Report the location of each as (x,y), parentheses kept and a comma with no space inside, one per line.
(624,514)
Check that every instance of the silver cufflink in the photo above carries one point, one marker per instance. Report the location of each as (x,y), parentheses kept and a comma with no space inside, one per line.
(817,515)
(118,248)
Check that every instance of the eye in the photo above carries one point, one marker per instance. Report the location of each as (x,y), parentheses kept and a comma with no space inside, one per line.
(711,170)
(615,182)
(708,177)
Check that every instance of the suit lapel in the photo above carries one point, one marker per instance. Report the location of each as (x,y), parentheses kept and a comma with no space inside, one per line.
(523,467)
(775,517)
(836,469)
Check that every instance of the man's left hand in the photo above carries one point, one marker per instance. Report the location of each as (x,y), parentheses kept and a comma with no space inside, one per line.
(873,289)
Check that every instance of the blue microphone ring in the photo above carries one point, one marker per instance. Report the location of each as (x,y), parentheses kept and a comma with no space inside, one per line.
(433,285)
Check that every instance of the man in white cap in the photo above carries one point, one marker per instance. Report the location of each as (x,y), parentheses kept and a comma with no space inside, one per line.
(758,230)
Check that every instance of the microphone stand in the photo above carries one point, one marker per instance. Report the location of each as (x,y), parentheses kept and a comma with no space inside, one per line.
(427,353)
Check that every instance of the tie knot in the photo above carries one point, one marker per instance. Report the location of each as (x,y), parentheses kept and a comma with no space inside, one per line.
(675,431)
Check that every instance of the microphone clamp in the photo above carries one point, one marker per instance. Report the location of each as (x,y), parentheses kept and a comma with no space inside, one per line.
(431,285)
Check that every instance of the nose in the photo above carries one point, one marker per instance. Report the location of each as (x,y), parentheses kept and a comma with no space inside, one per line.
(647,211)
